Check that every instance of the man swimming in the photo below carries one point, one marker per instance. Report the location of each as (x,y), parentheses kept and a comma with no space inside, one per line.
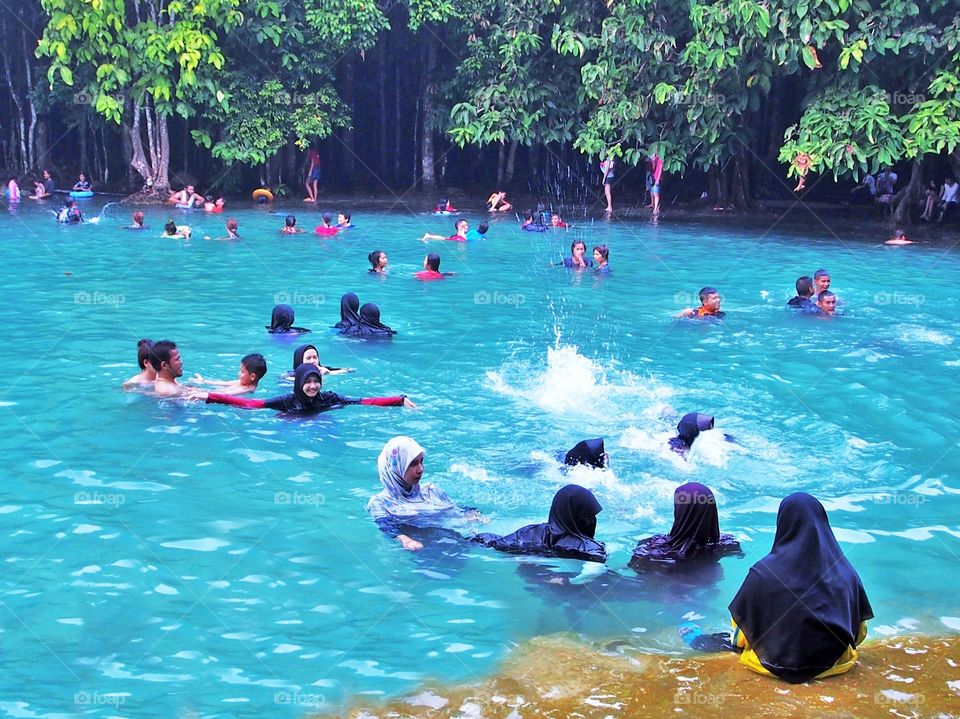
(709,306)
(802,301)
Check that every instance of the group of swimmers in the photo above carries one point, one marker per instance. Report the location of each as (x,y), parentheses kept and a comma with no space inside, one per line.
(800,613)
(189,199)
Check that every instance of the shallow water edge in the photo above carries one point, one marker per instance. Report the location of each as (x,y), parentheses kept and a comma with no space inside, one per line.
(904,676)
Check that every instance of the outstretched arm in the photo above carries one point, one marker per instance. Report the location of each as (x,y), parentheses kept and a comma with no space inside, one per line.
(244,402)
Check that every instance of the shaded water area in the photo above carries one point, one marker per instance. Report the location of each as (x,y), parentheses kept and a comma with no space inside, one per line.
(166,559)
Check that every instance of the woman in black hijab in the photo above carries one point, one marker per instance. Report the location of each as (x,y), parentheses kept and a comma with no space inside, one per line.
(349,304)
(281,321)
(589,452)
(695,533)
(309,354)
(802,609)
(689,428)
(568,532)
(308,398)
(369,324)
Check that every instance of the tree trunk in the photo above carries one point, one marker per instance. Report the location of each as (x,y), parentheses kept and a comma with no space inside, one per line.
(501,163)
(348,153)
(19,120)
(909,196)
(84,152)
(428,156)
(153,163)
(396,124)
(382,120)
(511,162)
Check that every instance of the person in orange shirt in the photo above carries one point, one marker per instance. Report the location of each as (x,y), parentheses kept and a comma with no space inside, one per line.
(709,306)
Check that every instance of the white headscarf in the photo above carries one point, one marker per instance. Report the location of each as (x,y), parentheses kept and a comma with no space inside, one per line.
(395,500)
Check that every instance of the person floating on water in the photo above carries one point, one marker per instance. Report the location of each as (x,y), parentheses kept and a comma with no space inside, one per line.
(899,238)
(695,534)
(497,202)
(290,226)
(214,206)
(252,369)
(307,397)
(827,303)
(378,262)
(443,207)
(70,213)
(480,232)
(343,221)
(601,255)
(349,311)
(431,269)
(578,249)
(460,233)
(802,610)
(233,230)
(174,231)
(82,184)
(803,301)
(557,223)
(689,428)
(137,221)
(281,321)
(568,532)
(326,229)
(147,374)
(533,223)
(405,504)
(709,306)
(589,452)
(369,324)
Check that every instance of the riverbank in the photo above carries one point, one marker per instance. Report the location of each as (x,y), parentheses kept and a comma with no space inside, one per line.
(906,676)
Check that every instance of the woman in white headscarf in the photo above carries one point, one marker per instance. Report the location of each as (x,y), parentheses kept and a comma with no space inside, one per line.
(404,502)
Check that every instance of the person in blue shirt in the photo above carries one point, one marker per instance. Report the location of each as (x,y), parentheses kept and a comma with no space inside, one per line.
(803,301)
(601,255)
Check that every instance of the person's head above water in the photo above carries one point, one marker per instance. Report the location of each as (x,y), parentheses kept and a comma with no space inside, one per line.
(827,302)
(170,228)
(574,511)
(327,219)
(232,225)
(432,262)
(378,260)
(343,218)
(461,227)
(290,221)
(692,424)
(483,227)
(143,353)
(165,358)
(305,354)
(578,248)
(252,368)
(138,218)
(307,382)
(601,254)
(282,318)
(805,286)
(349,308)
(400,466)
(710,299)
(821,281)
(587,451)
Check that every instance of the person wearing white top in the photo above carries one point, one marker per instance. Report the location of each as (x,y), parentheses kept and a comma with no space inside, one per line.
(948,197)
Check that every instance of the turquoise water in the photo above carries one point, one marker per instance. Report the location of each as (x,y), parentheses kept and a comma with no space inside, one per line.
(162,557)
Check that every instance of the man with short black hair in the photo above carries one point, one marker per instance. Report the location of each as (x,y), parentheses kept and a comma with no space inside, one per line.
(802,301)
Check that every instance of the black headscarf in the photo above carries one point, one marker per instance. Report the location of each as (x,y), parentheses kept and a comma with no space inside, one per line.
(369,324)
(695,532)
(349,304)
(299,352)
(801,606)
(281,321)
(299,403)
(568,531)
(689,428)
(588,451)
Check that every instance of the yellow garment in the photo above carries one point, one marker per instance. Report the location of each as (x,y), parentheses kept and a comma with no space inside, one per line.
(749,658)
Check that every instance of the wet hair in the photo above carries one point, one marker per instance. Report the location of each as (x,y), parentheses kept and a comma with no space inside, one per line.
(232,225)
(528,215)
(805,286)
(143,353)
(255,363)
(825,294)
(483,227)
(578,242)
(138,217)
(442,204)
(456,225)
(374,258)
(290,221)
(603,250)
(433,261)
(820,273)
(346,216)
(160,353)
(327,218)
(706,292)
(170,228)
(898,233)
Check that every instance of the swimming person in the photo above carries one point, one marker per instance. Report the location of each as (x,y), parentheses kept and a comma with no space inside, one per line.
(82,184)
(404,503)
(601,255)
(70,213)
(557,223)
(174,231)
(589,452)
(578,249)
(802,610)
(166,360)
(821,282)
(349,311)
(13,189)
(899,238)
(308,354)
(480,232)
(688,429)
(369,324)
(709,306)
(530,224)
(431,269)
(343,221)
(233,230)
(307,397)
(568,532)
(460,233)
(137,221)
(252,369)
(802,301)
(378,262)
(326,229)
(443,207)
(281,321)
(290,226)
(44,188)
(147,374)
(214,206)
(827,303)
(695,533)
